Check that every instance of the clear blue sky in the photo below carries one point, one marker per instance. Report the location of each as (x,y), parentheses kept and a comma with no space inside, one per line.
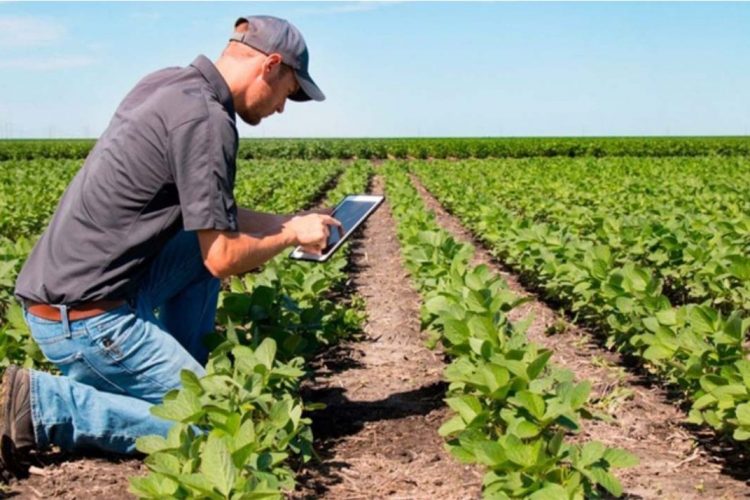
(403,69)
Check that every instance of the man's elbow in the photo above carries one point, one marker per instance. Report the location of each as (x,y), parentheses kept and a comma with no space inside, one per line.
(215,252)
(218,269)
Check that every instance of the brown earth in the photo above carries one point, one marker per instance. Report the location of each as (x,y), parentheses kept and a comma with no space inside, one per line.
(58,476)
(637,414)
(378,437)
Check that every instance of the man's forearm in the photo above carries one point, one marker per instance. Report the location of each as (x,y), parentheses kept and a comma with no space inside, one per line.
(260,223)
(261,237)
(237,253)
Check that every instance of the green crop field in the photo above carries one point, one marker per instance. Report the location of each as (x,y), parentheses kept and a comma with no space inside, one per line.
(645,242)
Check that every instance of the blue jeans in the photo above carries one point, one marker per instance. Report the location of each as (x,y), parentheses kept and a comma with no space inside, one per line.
(118,364)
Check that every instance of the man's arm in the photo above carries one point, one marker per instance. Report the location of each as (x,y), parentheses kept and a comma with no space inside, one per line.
(260,223)
(227,253)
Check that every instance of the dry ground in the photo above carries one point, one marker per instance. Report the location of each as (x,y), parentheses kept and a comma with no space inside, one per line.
(378,436)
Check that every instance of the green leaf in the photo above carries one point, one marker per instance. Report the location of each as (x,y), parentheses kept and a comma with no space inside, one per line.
(743,414)
(181,409)
(197,482)
(519,453)
(494,376)
(667,317)
(153,486)
(740,267)
(657,352)
(702,319)
(580,394)
(704,401)
(466,406)
(619,458)
(481,327)
(591,452)
(191,382)
(452,425)
(217,465)
(490,453)
(279,415)
(550,492)
(266,352)
(607,481)
(437,305)
(457,332)
(533,403)
(150,444)
(525,429)
(651,324)
(536,366)
(164,463)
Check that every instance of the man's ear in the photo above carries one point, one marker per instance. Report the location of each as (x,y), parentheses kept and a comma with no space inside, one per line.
(272,63)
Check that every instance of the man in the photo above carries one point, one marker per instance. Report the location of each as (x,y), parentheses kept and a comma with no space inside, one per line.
(150,223)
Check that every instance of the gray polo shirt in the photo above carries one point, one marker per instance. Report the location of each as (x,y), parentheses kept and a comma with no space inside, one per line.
(165,162)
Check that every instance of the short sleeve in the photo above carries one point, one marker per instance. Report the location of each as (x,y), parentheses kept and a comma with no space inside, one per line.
(203,160)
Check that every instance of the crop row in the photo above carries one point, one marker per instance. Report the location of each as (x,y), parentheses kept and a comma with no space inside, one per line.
(240,429)
(513,409)
(484,147)
(694,346)
(685,219)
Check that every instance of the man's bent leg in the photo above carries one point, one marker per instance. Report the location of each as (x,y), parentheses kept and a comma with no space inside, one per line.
(185,292)
(123,351)
(191,314)
(117,364)
(77,417)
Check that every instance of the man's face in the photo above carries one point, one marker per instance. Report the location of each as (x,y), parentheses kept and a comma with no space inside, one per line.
(268,93)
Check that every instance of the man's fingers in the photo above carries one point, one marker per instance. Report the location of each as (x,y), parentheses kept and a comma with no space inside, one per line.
(327,219)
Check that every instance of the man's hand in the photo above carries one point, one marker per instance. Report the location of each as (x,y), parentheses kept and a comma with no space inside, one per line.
(311,231)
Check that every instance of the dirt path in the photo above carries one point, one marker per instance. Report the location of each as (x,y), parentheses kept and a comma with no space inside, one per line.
(378,436)
(73,478)
(640,417)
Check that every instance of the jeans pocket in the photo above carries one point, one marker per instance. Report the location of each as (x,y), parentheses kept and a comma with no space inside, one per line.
(111,336)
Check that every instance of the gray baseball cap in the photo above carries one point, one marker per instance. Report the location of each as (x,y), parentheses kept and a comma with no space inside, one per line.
(271,35)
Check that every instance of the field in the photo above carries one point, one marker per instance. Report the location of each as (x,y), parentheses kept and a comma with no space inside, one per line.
(524,318)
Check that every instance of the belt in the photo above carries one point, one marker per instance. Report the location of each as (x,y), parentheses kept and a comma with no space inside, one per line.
(80,311)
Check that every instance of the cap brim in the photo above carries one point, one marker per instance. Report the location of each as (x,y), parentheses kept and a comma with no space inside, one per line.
(308,91)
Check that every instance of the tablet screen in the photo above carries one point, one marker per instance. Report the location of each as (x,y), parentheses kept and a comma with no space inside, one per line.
(348,213)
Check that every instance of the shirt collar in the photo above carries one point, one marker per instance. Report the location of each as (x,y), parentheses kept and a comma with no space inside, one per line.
(206,68)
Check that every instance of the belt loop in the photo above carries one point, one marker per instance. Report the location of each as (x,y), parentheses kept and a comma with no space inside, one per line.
(65,323)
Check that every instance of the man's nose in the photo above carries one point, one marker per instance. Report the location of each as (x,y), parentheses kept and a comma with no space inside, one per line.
(280,109)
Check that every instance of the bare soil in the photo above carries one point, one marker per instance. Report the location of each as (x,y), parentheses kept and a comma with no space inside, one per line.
(378,436)
(65,477)
(636,414)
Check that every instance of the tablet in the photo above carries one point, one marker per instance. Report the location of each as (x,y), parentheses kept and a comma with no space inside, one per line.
(351,212)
